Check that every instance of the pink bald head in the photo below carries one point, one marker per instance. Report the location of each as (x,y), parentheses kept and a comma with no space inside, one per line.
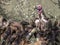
(39,7)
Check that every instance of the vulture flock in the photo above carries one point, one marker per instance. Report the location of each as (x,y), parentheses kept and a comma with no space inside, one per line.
(20,33)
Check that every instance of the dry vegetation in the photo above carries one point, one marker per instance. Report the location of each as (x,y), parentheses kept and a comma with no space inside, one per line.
(24,9)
